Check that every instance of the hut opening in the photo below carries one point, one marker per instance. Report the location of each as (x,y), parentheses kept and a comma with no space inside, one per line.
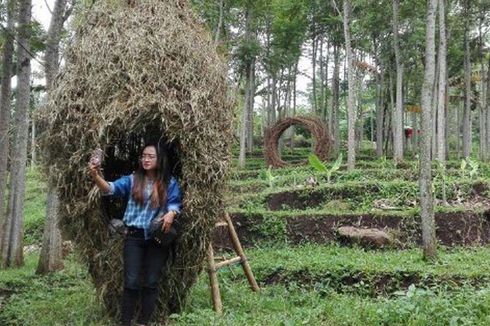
(121,158)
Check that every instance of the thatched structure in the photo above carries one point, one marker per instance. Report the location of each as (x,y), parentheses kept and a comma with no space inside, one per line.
(137,71)
(318,131)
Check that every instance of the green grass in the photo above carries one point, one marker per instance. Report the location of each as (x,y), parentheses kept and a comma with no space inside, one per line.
(34,207)
(457,261)
(67,298)
(63,298)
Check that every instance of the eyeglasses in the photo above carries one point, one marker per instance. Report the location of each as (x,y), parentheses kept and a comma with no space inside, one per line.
(149,157)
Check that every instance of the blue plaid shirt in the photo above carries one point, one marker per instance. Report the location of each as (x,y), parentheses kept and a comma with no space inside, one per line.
(140,216)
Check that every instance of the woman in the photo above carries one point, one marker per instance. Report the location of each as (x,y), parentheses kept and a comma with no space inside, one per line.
(150,192)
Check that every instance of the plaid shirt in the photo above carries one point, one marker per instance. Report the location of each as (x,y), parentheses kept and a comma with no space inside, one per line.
(140,216)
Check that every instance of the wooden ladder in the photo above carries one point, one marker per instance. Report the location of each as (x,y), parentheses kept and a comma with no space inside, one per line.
(214,266)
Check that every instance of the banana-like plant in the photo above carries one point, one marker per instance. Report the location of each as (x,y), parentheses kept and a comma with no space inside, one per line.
(321,167)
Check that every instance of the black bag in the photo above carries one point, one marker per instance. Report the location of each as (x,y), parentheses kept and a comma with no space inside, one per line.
(164,239)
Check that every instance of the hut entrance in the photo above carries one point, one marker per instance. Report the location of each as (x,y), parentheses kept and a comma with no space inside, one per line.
(121,158)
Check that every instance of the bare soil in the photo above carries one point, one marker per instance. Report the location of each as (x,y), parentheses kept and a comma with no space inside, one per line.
(453,229)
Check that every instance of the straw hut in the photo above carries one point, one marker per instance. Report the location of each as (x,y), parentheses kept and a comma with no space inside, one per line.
(137,71)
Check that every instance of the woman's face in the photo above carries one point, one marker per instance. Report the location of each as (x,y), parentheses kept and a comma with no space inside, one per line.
(149,158)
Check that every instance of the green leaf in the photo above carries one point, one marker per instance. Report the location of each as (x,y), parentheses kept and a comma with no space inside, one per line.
(337,164)
(316,163)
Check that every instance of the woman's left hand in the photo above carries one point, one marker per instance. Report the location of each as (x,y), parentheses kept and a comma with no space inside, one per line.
(167,219)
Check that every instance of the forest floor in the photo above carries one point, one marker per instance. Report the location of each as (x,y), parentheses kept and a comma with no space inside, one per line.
(308,275)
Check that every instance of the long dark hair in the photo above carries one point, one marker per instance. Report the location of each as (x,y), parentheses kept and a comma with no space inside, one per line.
(159,191)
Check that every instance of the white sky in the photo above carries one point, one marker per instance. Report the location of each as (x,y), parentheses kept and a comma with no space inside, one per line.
(41,14)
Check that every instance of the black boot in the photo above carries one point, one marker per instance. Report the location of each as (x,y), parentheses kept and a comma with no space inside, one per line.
(148,301)
(129,300)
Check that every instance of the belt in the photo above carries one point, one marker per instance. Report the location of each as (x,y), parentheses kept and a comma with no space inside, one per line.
(135,232)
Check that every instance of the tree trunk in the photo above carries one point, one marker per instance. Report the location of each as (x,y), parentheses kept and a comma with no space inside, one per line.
(488,108)
(314,46)
(467,89)
(336,99)
(248,86)
(244,124)
(220,22)
(12,251)
(483,98)
(51,258)
(351,110)
(33,141)
(425,180)
(379,115)
(5,93)
(441,103)
(250,108)
(397,121)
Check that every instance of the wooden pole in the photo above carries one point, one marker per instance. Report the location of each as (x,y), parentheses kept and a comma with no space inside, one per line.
(213,280)
(241,254)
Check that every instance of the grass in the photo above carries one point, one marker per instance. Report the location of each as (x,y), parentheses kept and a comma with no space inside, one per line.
(307,294)
(67,298)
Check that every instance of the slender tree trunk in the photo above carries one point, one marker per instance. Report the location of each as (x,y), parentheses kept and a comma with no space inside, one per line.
(12,251)
(220,22)
(488,109)
(274,99)
(351,110)
(336,99)
(313,63)
(250,108)
(379,115)
(441,103)
(322,80)
(467,83)
(33,141)
(245,132)
(5,93)
(392,109)
(458,130)
(326,110)
(397,121)
(434,111)
(425,180)
(483,111)
(51,257)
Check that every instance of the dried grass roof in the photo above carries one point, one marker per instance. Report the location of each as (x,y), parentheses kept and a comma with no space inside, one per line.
(133,72)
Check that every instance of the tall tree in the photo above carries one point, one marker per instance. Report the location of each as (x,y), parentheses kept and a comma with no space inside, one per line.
(249,59)
(8,52)
(51,258)
(425,179)
(467,83)
(336,98)
(397,121)
(351,110)
(441,102)
(12,246)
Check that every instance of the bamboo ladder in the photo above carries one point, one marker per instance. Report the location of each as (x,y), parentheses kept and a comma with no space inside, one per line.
(214,266)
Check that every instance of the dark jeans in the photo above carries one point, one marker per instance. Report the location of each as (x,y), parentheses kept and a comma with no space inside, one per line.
(147,259)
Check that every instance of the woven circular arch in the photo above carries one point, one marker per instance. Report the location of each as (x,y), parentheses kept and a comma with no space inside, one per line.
(318,131)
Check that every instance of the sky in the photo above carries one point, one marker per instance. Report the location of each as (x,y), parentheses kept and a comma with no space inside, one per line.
(41,14)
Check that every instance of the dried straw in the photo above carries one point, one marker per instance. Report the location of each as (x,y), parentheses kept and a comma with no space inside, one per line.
(137,71)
